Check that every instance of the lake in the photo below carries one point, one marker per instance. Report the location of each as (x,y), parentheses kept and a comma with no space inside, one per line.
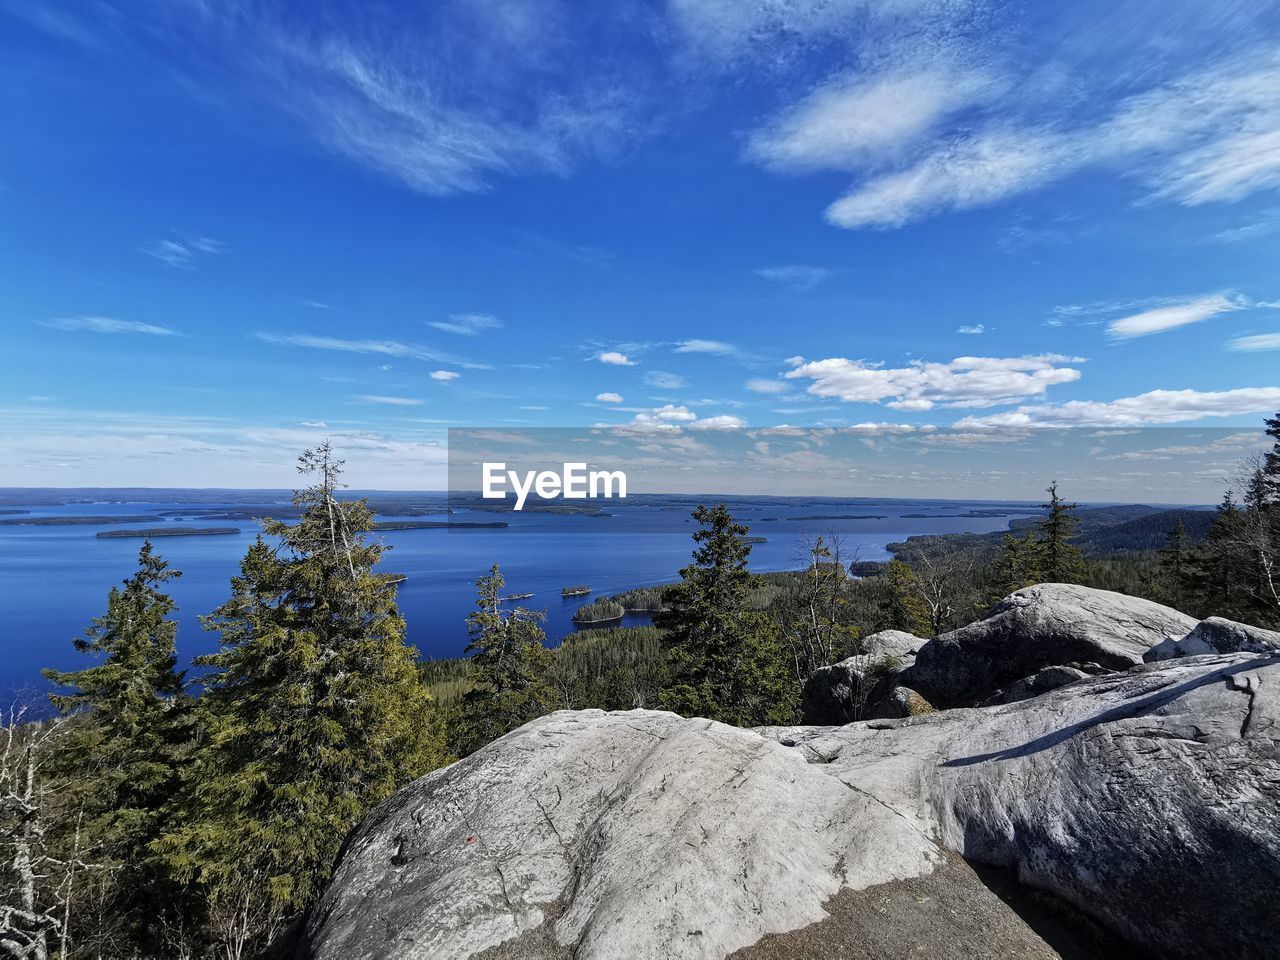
(55,578)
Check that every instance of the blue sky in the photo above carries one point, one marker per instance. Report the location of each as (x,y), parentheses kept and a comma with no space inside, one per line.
(229,229)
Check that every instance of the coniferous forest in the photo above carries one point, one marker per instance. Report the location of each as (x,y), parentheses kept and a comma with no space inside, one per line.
(150,812)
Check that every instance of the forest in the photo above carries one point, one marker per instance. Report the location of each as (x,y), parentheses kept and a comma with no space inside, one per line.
(148,811)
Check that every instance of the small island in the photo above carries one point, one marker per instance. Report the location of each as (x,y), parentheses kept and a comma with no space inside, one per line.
(149,532)
(77,521)
(510,598)
(438,525)
(580,591)
(602,611)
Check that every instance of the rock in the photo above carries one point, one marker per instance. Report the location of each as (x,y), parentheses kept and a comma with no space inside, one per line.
(1041,626)
(1149,800)
(839,693)
(898,703)
(1042,681)
(1216,635)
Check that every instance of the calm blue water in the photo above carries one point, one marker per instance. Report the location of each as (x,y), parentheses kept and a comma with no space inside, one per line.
(54,580)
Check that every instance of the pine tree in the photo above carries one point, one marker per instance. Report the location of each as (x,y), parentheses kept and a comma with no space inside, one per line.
(1062,561)
(907,610)
(1020,564)
(1271,461)
(313,713)
(1215,573)
(509,662)
(727,660)
(128,736)
(1175,564)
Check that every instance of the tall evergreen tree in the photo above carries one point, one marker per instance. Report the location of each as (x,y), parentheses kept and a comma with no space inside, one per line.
(312,714)
(1019,564)
(1271,461)
(129,731)
(1062,561)
(1175,564)
(907,610)
(727,659)
(509,662)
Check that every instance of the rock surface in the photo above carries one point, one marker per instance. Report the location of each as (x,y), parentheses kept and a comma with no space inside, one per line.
(1042,681)
(838,694)
(1149,800)
(1216,635)
(1042,626)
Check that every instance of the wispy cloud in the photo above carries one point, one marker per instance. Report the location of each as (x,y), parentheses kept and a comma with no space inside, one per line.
(388,348)
(972,330)
(707,346)
(182,252)
(444,376)
(762,385)
(1169,317)
(528,242)
(107,325)
(798,276)
(664,380)
(389,401)
(963,382)
(468,324)
(1256,343)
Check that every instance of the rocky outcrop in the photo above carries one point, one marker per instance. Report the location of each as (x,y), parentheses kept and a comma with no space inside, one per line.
(1148,799)
(841,692)
(1042,681)
(1042,626)
(1216,635)
(898,703)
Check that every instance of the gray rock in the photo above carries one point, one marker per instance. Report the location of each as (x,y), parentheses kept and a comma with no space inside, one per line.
(1042,681)
(1041,626)
(898,703)
(1149,800)
(841,692)
(1216,635)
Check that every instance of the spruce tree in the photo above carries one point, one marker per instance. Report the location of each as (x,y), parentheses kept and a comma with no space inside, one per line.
(907,610)
(1062,561)
(1020,564)
(509,662)
(726,659)
(313,713)
(1175,563)
(127,738)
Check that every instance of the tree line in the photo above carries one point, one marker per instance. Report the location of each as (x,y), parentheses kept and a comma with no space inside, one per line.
(160,815)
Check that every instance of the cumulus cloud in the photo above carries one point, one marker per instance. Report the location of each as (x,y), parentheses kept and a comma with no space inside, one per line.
(963,382)
(1161,319)
(722,422)
(1155,407)
(614,358)
(107,325)
(468,324)
(608,398)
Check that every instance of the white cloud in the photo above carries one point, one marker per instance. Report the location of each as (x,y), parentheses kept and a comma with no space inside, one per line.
(468,324)
(182,252)
(1155,407)
(444,376)
(1256,343)
(107,325)
(389,348)
(608,398)
(664,380)
(314,424)
(845,123)
(706,346)
(389,401)
(964,382)
(667,417)
(1167,318)
(798,276)
(973,330)
(615,358)
(722,422)
(1212,134)
(761,385)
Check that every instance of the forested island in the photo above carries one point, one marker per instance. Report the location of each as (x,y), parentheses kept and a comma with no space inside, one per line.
(150,813)
(152,532)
